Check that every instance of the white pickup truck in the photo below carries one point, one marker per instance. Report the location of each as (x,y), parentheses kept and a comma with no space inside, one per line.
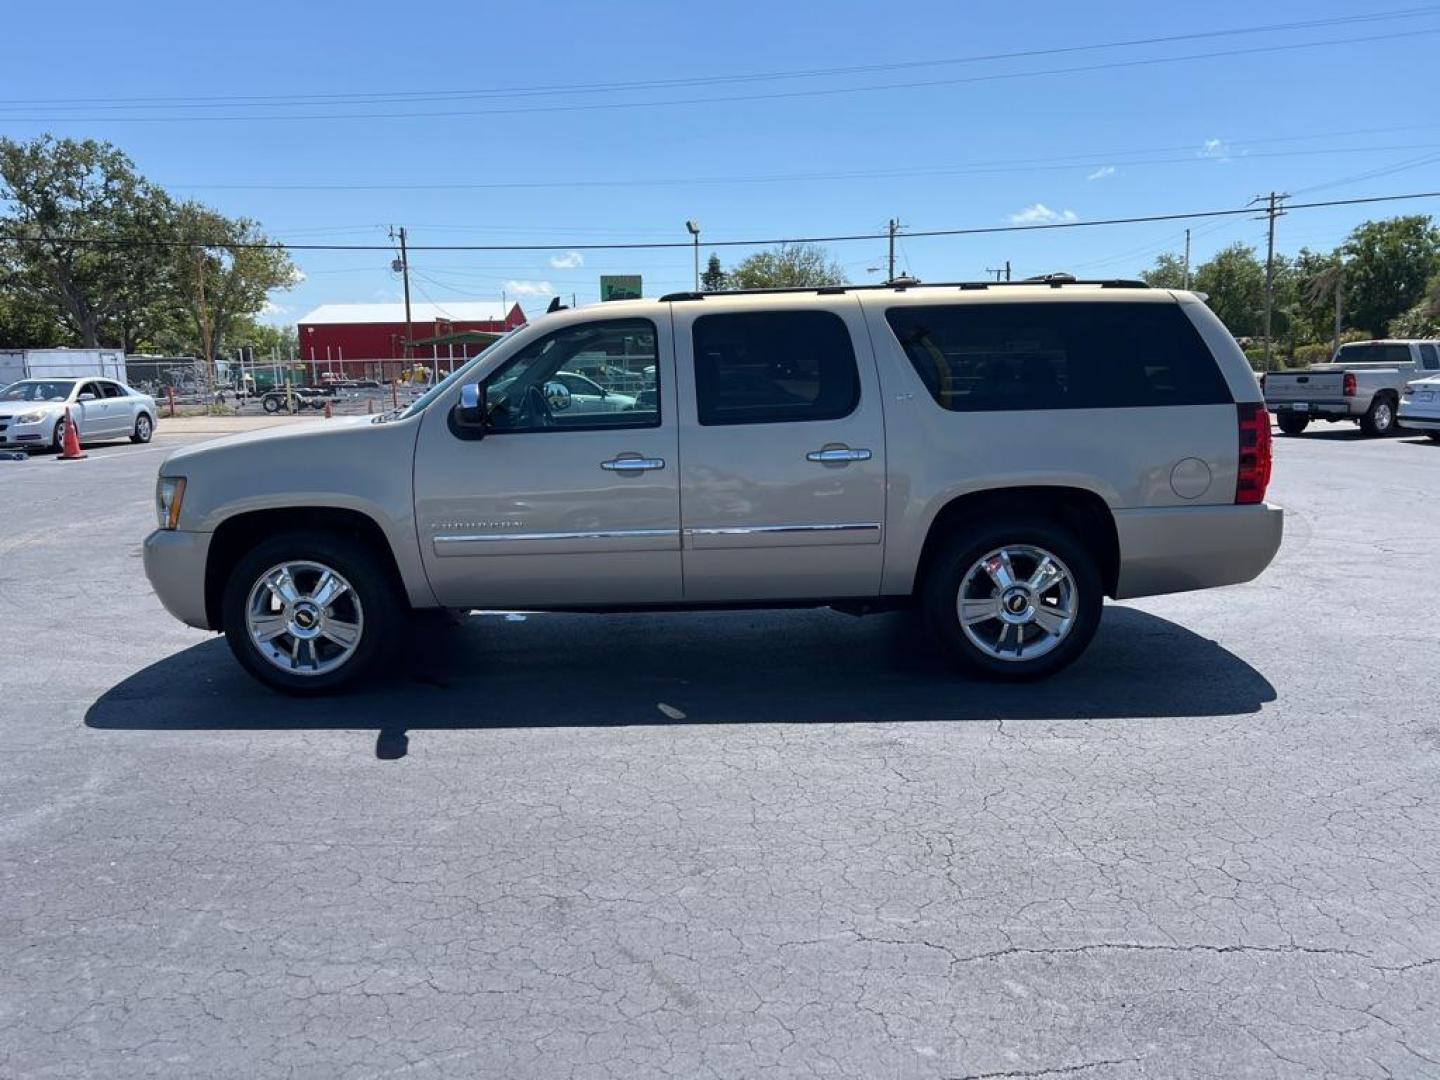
(1362,384)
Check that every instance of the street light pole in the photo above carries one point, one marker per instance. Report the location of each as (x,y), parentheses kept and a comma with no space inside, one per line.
(693,228)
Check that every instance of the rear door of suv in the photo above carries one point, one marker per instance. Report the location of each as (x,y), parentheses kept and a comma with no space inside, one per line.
(782,449)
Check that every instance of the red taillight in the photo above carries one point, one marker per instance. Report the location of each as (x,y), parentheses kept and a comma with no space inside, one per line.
(1253,476)
(1349,383)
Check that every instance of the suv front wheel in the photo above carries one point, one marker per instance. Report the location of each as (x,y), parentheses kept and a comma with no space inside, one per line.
(310,613)
(1017,600)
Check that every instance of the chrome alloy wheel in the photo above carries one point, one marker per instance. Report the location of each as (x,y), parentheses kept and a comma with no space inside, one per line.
(1017,603)
(304,618)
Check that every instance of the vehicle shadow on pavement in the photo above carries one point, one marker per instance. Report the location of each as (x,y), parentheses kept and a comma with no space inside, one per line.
(797,667)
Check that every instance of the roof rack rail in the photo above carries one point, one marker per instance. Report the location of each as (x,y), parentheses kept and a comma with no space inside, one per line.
(1052,281)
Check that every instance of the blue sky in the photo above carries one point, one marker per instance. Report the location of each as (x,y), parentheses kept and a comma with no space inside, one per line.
(924,133)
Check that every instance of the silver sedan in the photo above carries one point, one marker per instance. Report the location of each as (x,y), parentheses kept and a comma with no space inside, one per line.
(32,411)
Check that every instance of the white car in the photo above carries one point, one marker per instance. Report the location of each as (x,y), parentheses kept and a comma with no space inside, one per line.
(585,395)
(1420,407)
(32,411)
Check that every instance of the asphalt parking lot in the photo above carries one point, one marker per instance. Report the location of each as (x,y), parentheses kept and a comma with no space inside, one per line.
(734,845)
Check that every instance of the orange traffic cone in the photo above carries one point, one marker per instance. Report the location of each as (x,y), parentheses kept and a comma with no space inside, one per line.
(327,410)
(70,441)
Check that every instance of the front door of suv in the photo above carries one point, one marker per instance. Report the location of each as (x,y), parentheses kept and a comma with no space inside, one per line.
(557,506)
(782,447)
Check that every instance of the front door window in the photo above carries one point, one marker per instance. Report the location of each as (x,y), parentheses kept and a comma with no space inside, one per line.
(599,375)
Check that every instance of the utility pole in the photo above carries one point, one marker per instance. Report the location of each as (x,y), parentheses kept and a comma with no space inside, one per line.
(1272,211)
(999,270)
(893,227)
(404,269)
(1187,260)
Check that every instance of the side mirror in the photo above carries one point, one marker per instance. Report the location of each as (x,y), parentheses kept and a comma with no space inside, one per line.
(470,415)
(86,397)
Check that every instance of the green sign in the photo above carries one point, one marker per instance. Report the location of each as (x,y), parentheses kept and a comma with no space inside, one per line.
(620,287)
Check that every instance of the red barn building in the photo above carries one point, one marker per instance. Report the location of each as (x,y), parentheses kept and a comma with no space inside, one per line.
(336,336)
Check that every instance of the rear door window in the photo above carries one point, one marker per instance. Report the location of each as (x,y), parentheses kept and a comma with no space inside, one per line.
(112,390)
(1048,355)
(1430,357)
(768,367)
(1374,352)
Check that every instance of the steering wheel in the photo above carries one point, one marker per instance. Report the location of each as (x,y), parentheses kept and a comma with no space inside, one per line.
(535,411)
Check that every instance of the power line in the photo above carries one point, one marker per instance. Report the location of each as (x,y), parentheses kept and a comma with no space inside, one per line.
(377,96)
(982,230)
(1051,164)
(734,98)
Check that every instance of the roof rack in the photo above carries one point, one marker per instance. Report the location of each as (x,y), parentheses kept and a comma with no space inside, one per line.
(1052,281)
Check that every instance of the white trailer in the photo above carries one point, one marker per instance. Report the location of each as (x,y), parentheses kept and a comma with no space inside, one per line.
(60,363)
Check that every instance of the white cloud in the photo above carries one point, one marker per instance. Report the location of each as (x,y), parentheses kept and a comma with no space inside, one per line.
(529,288)
(1040,214)
(1102,173)
(271,310)
(1214,148)
(569,261)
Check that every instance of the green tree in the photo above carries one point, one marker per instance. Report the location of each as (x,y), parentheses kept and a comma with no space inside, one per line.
(714,277)
(787,266)
(1167,273)
(24,325)
(83,216)
(1387,264)
(1318,276)
(1422,320)
(267,340)
(224,269)
(1234,281)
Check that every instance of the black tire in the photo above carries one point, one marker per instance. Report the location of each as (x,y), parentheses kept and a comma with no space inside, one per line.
(144,428)
(371,581)
(57,440)
(941,593)
(270,403)
(1379,419)
(1292,423)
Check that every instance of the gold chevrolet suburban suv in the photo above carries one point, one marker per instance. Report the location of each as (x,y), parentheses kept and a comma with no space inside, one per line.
(1000,457)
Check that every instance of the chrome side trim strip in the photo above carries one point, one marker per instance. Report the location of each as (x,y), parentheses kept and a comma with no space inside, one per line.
(619,534)
(761,530)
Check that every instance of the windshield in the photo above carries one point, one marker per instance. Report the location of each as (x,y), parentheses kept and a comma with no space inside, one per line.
(457,376)
(38,390)
(1373,353)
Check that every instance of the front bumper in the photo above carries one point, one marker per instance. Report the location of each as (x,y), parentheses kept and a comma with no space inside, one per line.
(1418,423)
(37,434)
(1317,410)
(1176,549)
(175,565)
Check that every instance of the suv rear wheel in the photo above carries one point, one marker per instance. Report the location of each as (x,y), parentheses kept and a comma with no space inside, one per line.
(309,613)
(1379,419)
(1019,599)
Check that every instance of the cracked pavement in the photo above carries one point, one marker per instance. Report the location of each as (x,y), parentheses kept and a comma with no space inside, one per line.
(783,844)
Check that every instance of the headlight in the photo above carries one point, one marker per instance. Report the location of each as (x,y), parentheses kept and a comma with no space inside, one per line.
(169,493)
(31,417)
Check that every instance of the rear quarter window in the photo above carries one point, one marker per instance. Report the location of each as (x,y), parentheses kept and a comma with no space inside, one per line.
(1021,356)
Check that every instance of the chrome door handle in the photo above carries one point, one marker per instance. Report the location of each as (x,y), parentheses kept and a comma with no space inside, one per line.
(632,464)
(839,454)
